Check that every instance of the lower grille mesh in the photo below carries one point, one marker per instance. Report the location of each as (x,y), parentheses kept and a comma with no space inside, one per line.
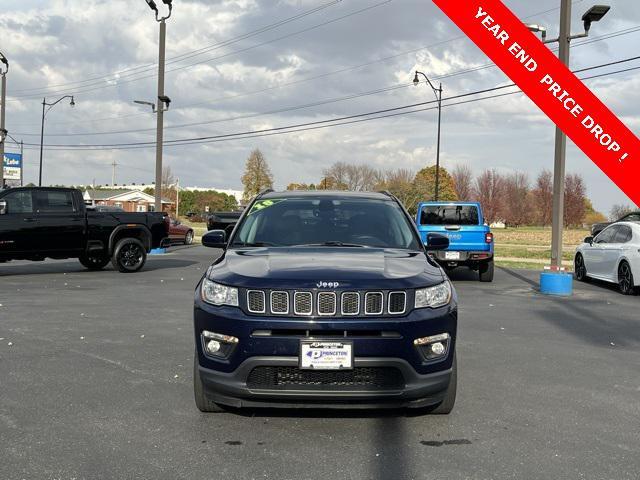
(293,378)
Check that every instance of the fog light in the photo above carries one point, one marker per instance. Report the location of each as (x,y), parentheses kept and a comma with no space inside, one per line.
(218,345)
(438,348)
(213,347)
(433,347)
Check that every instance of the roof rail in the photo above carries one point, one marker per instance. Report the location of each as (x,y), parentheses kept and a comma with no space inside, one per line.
(264,192)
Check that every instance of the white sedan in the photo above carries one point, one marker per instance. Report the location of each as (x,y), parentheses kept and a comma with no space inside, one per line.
(613,256)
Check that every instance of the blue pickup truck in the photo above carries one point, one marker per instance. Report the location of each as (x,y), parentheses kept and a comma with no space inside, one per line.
(470,239)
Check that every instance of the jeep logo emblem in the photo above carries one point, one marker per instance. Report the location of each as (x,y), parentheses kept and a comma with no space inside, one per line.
(327,284)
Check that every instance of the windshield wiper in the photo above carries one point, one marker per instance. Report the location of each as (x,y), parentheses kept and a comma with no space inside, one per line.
(254,244)
(332,244)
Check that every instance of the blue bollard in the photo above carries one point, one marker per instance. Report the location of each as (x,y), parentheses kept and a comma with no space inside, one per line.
(556,283)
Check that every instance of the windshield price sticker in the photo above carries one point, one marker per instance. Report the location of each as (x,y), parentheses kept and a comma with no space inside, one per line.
(326,355)
(552,87)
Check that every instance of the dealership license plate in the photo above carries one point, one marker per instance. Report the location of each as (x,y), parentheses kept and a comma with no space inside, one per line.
(452,255)
(319,355)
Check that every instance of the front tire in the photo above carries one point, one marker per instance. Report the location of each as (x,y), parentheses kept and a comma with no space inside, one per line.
(580,268)
(188,239)
(202,402)
(93,261)
(486,271)
(625,279)
(446,406)
(129,256)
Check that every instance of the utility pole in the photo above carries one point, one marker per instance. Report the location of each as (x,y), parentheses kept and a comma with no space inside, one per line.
(160,113)
(3,100)
(113,172)
(177,196)
(560,148)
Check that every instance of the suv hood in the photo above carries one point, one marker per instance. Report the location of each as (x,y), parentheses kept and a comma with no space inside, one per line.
(304,268)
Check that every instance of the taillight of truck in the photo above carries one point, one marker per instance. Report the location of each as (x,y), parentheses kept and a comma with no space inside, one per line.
(488,237)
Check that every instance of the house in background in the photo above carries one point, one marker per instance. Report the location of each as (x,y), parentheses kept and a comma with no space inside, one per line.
(128,200)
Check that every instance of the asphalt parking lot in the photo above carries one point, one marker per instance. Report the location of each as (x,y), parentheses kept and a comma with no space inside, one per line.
(95,382)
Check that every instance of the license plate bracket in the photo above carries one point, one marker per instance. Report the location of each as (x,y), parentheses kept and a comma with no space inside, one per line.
(326,355)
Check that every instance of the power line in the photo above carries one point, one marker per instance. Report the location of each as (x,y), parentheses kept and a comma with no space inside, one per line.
(101,84)
(280,110)
(192,53)
(386,113)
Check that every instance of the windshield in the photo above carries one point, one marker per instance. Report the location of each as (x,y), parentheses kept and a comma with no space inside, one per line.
(449,215)
(348,222)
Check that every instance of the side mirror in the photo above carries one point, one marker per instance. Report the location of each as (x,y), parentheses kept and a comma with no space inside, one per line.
(215,239)
(588,240)
(3,207)
(436,241)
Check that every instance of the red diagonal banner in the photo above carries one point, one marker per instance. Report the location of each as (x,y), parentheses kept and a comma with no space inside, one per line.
(551,86)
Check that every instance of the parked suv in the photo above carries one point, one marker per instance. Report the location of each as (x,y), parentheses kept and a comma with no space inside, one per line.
(470,239)
(325,299)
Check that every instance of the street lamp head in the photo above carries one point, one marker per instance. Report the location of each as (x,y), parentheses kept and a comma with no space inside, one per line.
(72,102)
(594,14)
(416,80)
(152,5)
(4,60)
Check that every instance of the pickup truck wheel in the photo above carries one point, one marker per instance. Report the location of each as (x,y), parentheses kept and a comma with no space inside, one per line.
(188,239)
(486,271)
(129,255)
(445,407)
(94,261)
(202,402)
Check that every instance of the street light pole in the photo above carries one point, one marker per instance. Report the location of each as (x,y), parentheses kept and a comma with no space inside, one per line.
(160,114)
(163,101)
(44,114)
(594,14)
(3,100)
(438,93)
(559,165)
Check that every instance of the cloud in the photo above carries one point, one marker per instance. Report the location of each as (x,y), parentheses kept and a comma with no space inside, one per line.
(57,47)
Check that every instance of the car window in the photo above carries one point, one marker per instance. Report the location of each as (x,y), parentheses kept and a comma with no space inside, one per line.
(19,202)
(449,215)
(54,201)
(623,235)
(607,235)
(295,221)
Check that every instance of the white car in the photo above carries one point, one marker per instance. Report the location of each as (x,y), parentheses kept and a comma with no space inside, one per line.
(613,256)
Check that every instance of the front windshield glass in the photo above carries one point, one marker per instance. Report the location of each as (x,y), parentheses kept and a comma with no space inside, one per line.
(348,222)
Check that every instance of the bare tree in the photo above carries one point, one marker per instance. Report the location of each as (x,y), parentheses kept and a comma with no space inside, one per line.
(543,197)
(355,177)
(489,191)
(574,200)
(463,182)
(619,211)
(400,183)
(517,210)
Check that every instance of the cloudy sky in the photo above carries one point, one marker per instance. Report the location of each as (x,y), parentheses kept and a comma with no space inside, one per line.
(245,65)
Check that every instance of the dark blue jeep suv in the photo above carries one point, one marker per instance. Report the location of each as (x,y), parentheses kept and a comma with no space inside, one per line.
(325,299)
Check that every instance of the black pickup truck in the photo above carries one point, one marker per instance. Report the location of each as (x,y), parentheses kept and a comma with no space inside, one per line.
(223,221)
(42,222)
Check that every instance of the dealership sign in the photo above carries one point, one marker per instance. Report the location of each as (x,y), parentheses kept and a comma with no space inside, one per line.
(552,86)
(12,166)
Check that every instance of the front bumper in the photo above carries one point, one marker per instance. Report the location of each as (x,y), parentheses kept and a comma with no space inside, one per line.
(378,343)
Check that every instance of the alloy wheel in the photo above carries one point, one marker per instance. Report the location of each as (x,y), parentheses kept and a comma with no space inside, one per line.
(625,278)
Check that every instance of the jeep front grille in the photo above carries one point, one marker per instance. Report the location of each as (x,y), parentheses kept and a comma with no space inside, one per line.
(327,303)
(303,303)
(279,302)
(373,303)
(256,301)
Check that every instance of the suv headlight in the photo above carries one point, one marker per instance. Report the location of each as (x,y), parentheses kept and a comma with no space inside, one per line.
(434,297)
(217,294)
